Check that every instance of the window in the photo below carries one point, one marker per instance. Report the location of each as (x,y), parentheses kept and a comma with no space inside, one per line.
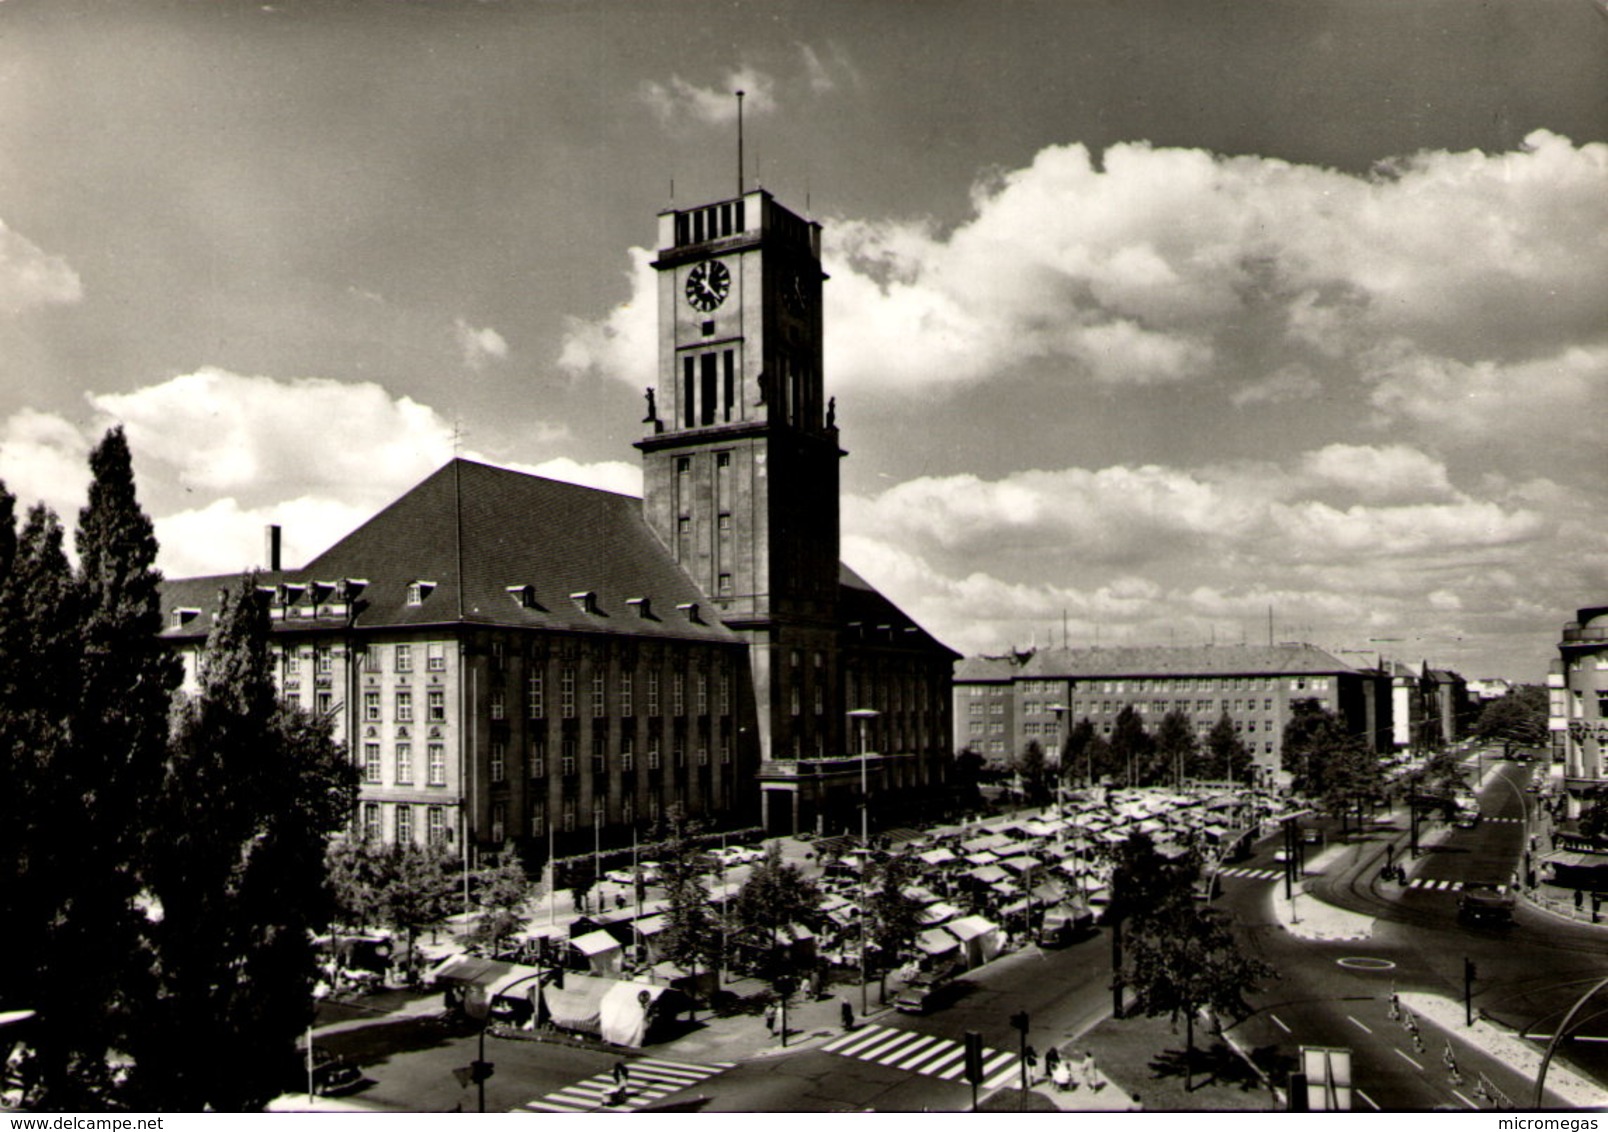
(438,707)
(404,707)
(627,810)
(703,756)
(653,693)
(404,658)
(538,823)
(725,751)
(653,754)
(499,705)
(538,756)
(599,694)
(700,684)
(723,585)
(820,700)
(437,757)
(436,659)
(371,707)
(678,756)
(535,702)
(792,699)
(599,756)
(404,764)
(404,825)
(569,815)
(566,692)
(566,759)
(627,752)
(725,692)
(499,820)
(324,662)
(435,818)
(374,661)
(325,703)
(678,694)
(627,707)
(371,821)
(498,767)
(977,709)
(653,807)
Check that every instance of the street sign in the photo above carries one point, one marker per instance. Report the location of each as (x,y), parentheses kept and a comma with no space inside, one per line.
(1328,1076)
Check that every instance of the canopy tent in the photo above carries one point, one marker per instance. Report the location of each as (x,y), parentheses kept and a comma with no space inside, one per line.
(604,956)
(982,857)
(939,913)
(628,1011)
(935,857)
(465,979)
(988,874)
(935,943)
(979,939)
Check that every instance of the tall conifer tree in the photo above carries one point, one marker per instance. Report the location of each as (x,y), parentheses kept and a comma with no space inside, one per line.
(252,794)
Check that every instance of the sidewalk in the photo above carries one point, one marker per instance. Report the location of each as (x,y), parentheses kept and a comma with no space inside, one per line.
(1143,1061)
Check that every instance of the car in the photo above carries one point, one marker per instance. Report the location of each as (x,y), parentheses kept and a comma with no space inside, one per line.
(1467,819)
(1312,836)
(330,1075)
(619,876)
(923,995)
(1486,903)
(1283,855)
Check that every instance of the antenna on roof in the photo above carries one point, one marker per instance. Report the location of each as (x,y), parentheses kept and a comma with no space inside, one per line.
(739,143)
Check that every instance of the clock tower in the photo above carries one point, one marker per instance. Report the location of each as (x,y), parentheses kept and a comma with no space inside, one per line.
(740,469)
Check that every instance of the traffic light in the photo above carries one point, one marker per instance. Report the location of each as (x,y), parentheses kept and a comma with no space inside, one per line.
(1019,1021)
(974,1057)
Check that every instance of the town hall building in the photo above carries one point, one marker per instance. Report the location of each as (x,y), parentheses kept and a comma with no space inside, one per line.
(508,658)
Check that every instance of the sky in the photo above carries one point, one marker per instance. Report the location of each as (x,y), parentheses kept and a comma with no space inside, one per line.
(1149,321)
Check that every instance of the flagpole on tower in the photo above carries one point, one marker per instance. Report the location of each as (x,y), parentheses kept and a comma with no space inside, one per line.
(739,143)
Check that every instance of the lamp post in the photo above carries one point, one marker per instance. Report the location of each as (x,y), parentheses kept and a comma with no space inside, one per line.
(864,715)
(1061,712)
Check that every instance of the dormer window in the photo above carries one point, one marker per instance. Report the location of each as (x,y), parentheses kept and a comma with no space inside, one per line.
(524,596)
(418,591)
(290,593)
(183,616)
(690,608)
(585,601)
(348,588)
(643,607)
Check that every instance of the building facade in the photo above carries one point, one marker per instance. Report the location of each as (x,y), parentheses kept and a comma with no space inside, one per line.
(512,659)
(1003,703)
(1578,688)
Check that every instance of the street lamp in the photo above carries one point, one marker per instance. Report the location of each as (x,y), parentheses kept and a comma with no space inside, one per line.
(864,715)
(1061,712)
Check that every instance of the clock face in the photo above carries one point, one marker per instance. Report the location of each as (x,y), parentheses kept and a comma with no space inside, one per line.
(708,284)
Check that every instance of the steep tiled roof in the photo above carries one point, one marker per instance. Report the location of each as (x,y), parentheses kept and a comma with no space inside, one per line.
(1183,660)
(994,668)
(860,603)
(507,529)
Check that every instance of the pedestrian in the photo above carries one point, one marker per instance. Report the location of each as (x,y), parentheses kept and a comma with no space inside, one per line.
(847,1012)
(622,1074)
(770,1017)
(1580,899)
(1052,1060)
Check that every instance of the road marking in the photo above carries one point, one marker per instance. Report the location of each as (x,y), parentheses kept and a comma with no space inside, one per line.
(1464,1099)
(651,1079)
(1408,1060)
(1359,1025)
(917,1052)
(1280,1024)
(1365,1097)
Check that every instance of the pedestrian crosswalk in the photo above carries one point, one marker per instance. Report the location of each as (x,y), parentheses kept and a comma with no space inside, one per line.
(1506,821)
(932,1056)
(650,1079)
(1434,885)
(1252,874)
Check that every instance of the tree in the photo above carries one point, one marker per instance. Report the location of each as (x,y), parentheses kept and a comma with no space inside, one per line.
(1144,880)
(501,890)
(1227,757)
(96,749)
(1325,762)
(1176,747)
(691,938)
(1182,958)
(254,789)
(38,695)
(967,779)
(1594,820)
(893,917)
(775,896)
(1029,766)
(404,887)
(1518,719)
(1131,745)
(1078,756)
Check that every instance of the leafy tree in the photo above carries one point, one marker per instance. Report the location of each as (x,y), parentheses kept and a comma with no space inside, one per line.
(1145,880)
(1030,768)
(892,917)
(1226,755)
(253,792)
(691,937)
(403,887)
(1182,958)
(1325,762)
(1131,746)
(1176,747)
(1077,760)
(1518,719)
(775,895)
(38,695)
(501,890)
(1100,760)
(967,778)
(1594,820)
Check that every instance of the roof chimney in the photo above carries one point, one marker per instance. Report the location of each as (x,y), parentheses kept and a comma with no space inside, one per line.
(271,543)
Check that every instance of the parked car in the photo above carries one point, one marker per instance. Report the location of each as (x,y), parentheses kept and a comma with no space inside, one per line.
(1486,903)
(331,1076)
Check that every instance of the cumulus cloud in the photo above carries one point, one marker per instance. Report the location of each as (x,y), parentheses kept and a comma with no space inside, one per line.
(681,101)
(30,278)
(478,345)
(218,456)
(1294,382)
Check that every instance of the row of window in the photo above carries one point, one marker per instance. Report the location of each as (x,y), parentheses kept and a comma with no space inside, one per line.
(435,823)
(402,764)
(1175,684)
(625,695)
(402,658)
(402,706)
